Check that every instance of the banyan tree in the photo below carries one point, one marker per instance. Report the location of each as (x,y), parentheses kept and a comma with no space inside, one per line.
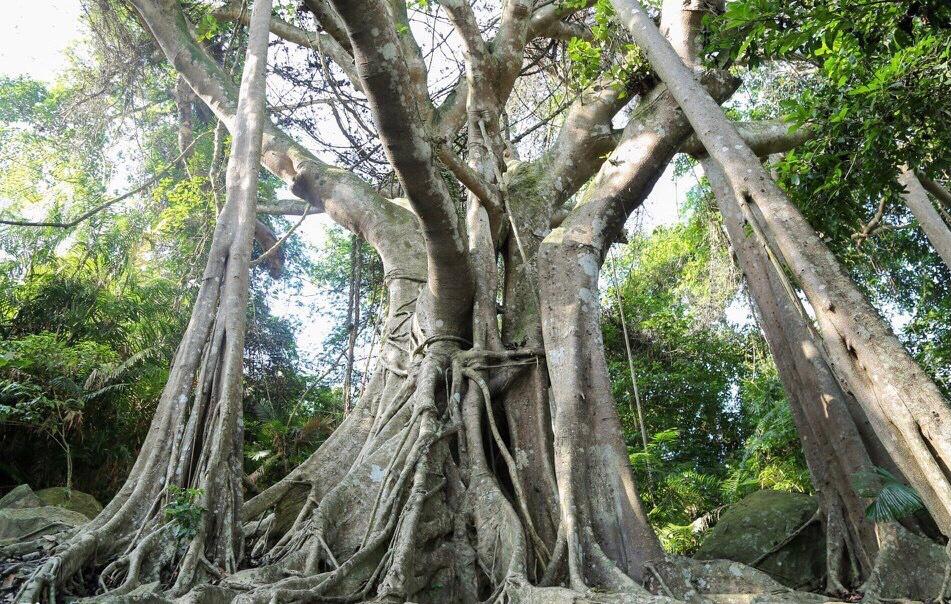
(485,460)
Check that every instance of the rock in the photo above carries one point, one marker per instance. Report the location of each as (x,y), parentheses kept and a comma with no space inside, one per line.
(74,500)
(29,523)
(21,497)
(908,567)
(209,594)
(727,582)
(149,593)
(759,523)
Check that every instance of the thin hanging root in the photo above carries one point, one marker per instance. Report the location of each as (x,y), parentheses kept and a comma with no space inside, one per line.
(330,553)
(404,540)
(557,558)
(537,542)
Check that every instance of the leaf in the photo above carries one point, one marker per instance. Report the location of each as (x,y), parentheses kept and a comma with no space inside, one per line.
(208,27)
(891,500)
(894,502)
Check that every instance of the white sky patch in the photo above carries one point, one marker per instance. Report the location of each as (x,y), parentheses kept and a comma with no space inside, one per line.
(34,34)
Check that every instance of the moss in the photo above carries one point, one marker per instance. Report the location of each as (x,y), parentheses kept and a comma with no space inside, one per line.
(73,500)
(761,521)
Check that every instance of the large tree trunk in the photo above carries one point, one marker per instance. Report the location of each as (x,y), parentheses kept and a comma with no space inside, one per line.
(833,446)
(484,461)
(906,408)
(930,221)
(193,452)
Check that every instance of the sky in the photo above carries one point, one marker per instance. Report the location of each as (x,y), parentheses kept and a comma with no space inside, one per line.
(34,34)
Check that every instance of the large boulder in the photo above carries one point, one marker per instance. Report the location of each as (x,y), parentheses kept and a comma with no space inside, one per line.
(21,497)
(71,499)
(29,523)
(775,532)
(28,515)
(908,567)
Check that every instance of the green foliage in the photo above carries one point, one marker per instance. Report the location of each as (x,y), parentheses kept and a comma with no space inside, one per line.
(183,512)
(771,457)
(873,77)
(710,395)
(331,269)
(891,499)
(207,28)
(609,57)
(90,316)
(46,385)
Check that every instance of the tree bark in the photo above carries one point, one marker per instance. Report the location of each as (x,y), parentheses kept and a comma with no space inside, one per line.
(906,408)
(832,444)
(930,221)
(939,192)
(484,461)
(199,445)
(353,319)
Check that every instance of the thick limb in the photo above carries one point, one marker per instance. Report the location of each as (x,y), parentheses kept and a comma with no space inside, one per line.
(831,441)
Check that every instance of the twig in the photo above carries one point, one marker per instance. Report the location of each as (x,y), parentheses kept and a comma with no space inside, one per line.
(273,249)
(103,206)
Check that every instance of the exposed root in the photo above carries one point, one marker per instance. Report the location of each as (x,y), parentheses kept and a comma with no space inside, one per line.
(429,508)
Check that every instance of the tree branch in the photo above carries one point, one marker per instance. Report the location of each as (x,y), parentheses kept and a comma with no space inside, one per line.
(387,82)
(509,43)
(940,193)
(347,199)
(764,138)
(321,42)
(466,175)
(545,22)
(114,200)
(277,245)
(330,21)
(287,207)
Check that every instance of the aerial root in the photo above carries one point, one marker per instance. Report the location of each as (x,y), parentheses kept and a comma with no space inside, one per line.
(131,561)
(394,517)
(42,583)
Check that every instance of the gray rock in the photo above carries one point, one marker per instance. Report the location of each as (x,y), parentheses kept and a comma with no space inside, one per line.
(21,497)
(907,567)
(74,500)
(29,523)
(751,529)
